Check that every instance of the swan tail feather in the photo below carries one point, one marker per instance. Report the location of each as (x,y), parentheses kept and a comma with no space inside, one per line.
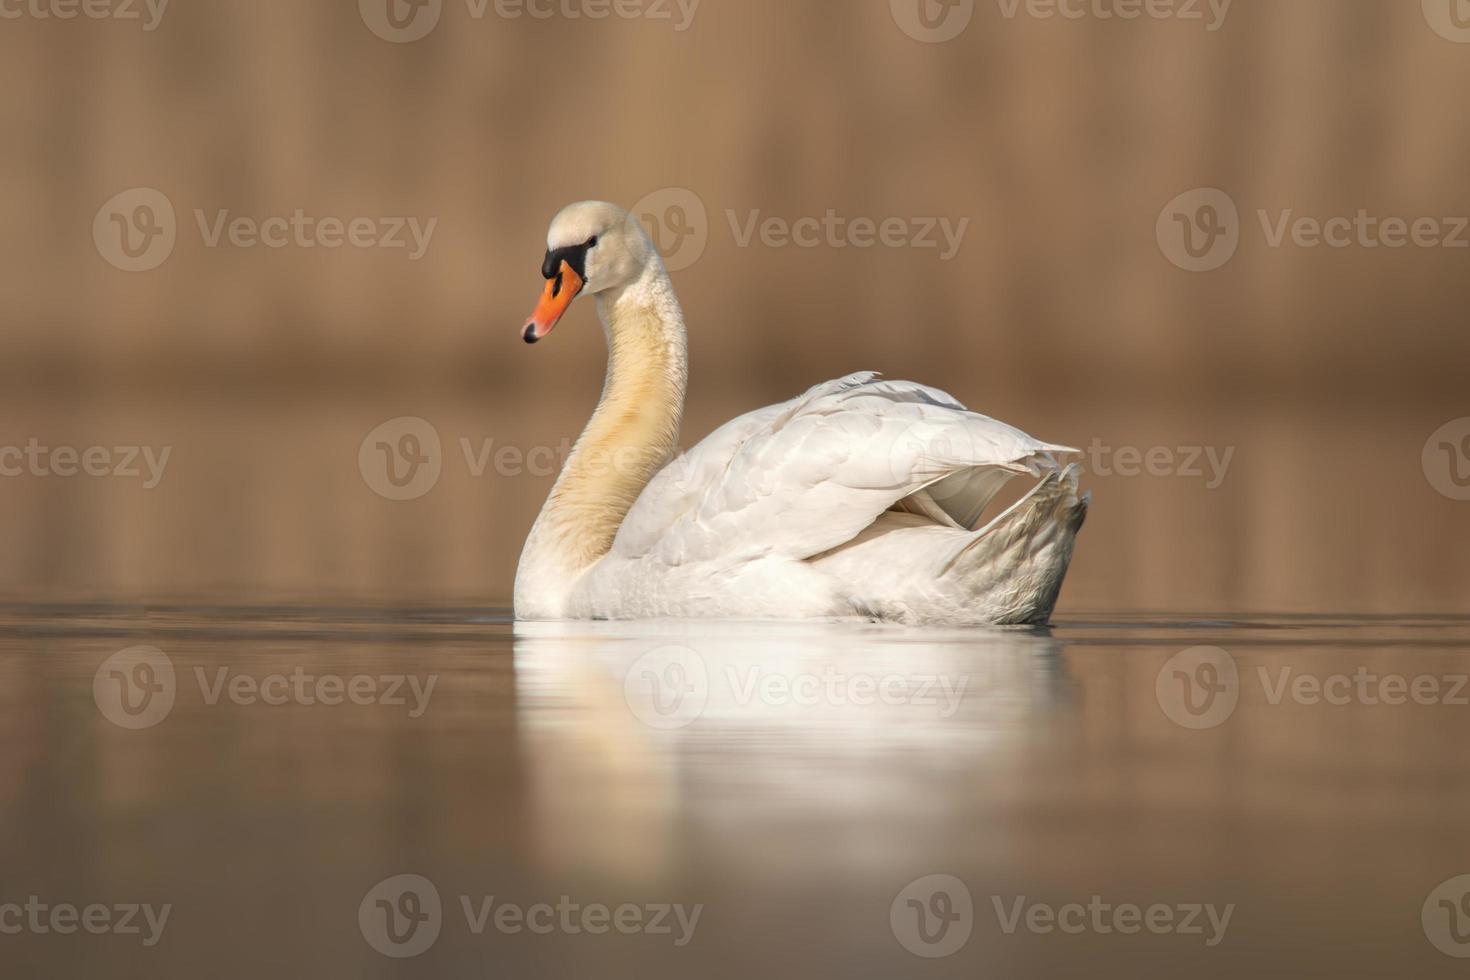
(1012,569)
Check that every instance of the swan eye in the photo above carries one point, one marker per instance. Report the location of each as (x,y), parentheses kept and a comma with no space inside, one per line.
(573,255)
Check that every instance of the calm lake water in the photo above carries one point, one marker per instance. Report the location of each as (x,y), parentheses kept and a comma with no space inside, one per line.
(1123,795)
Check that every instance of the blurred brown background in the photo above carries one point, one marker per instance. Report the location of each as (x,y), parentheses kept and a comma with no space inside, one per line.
(1325,370)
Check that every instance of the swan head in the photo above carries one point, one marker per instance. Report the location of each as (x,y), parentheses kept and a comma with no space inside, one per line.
(592,246)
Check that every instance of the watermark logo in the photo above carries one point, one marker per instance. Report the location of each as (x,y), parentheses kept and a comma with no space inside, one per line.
(1446,917)
(401,459)
(668,687)
(1199,231)
(1446,459)
(401,916)
(136,230)
(932,21)
(677,224)
(933,916)
(1198,688)
(1450,19)
(401,21)
(928,449)
(135,688)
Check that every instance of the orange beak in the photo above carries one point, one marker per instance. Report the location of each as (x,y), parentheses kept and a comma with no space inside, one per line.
(560,291)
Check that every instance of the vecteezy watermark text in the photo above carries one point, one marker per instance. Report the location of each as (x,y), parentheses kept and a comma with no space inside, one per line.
(137,230)
(1211,13)
(42,918)
(136,688)
(832,230)
(406,21)
(934,916)
(1200,230)
(306,231)
(1102,917)
(671,686)
(1207,463)
(36,459)
(840,688)
(678,224)
(937,21)
(1363,230)
(301,687)
(403,916)
(403,458)
(148,12)
(1202,686)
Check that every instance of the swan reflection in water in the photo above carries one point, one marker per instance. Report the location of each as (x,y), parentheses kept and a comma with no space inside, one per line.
(643,738)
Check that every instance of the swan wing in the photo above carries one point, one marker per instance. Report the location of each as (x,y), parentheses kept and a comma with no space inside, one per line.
(800,478)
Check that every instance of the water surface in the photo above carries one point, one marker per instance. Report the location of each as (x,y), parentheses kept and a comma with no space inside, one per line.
(798,784)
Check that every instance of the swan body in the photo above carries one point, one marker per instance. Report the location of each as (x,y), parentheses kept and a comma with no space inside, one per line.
(863,497)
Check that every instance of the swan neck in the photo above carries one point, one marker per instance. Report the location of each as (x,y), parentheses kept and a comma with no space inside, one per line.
(629,438)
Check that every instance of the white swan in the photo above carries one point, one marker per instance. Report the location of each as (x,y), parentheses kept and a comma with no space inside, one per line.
(860,498)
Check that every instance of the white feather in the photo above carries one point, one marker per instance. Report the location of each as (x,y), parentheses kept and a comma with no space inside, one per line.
(861,497)
(789,511)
